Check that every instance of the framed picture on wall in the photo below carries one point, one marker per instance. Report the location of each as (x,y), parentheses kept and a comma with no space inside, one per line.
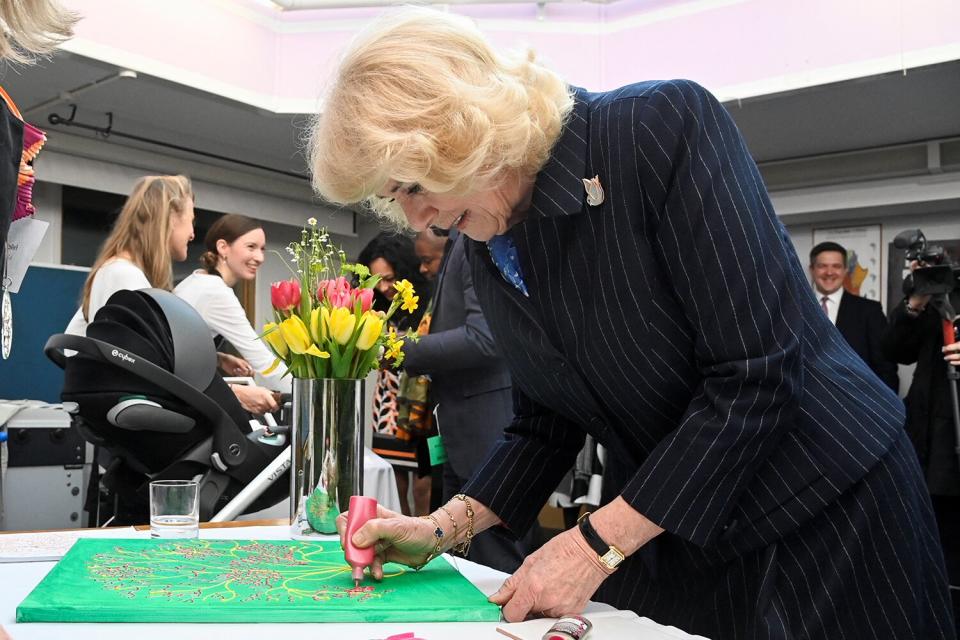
(898,268)
(864,246)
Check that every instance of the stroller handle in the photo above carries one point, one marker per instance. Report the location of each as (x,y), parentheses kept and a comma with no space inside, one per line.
(229,444)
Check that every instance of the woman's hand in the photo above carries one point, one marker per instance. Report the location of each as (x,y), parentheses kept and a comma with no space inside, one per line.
(951,353)
(395,538)
(255,400)
(233,366)
(556,580)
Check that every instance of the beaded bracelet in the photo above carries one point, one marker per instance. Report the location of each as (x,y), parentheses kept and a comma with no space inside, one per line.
(464,546)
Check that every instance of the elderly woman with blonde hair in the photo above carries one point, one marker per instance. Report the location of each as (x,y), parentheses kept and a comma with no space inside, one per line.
(637,281)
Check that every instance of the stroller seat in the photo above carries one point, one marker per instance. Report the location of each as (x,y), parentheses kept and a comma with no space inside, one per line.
(148,394)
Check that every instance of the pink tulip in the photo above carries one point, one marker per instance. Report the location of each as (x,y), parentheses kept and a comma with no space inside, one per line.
(337,292)
(365,296)
(285,295)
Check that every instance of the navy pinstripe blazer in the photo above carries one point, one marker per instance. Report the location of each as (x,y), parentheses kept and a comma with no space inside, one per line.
(675,324)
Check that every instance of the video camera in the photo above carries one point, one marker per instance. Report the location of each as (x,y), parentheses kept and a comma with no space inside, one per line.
(935,275)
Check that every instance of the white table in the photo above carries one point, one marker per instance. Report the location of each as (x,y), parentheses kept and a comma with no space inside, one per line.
(378,482)
(18,579)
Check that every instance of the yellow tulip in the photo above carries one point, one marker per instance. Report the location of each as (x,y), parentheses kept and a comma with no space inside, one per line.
(341,324)
(297,336)
(317,328)
(275,340)
(295,333)
(371,330)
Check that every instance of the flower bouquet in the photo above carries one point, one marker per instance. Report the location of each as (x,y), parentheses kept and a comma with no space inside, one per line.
(324,326)
(328,335)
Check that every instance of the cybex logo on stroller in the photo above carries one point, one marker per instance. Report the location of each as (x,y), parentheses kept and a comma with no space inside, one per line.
(122,356)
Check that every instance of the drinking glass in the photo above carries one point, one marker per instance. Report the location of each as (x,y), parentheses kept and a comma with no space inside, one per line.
(174,509)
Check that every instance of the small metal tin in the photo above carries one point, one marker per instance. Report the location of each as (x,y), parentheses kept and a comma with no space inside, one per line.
(568,628)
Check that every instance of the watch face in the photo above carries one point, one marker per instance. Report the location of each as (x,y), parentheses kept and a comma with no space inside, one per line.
(612,558)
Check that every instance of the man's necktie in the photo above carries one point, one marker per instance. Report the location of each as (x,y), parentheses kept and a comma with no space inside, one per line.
(823,303)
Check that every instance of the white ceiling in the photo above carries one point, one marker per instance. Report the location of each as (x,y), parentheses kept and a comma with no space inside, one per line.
(870,112)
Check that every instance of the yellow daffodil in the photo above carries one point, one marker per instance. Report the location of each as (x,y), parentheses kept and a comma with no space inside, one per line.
(370,331)
(341,324)
(394,350)
(297,337)
(403,287)
(410,303)
(275,340)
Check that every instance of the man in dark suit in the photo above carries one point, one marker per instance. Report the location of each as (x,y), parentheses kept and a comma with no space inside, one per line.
(860,321)
(470,384)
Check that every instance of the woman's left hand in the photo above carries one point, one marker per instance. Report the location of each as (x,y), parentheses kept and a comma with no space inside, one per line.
(558,579)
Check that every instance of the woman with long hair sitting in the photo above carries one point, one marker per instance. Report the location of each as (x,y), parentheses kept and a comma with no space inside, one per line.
(153,229)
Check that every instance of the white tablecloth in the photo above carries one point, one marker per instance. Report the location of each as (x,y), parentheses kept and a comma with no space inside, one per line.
(378,482)
(18,579)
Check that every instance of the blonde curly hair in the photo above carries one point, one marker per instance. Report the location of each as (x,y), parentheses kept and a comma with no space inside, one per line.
(423,97)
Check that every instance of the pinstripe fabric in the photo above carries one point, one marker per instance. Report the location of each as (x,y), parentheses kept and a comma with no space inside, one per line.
(674,323)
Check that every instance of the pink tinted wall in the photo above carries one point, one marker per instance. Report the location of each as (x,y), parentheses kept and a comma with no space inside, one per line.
(738,48)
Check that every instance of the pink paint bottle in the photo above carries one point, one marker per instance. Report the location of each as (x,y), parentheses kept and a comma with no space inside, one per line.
(362,509)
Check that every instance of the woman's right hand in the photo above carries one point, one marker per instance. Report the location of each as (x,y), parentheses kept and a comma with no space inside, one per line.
(255,400)
(395,538)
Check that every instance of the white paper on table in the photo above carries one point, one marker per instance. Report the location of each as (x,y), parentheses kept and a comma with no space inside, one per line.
(50,546)
(23,240)
(606,624)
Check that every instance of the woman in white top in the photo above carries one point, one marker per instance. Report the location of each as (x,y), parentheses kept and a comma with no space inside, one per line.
(235,250)
(153,229)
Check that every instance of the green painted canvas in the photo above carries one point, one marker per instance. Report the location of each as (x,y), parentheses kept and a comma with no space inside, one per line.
(135,580)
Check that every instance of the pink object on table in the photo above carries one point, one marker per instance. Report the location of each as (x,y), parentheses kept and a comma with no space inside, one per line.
(362,509)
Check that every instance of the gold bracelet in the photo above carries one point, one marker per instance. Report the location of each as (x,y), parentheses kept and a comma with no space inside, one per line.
(464,546)
(452,521)
(438,534)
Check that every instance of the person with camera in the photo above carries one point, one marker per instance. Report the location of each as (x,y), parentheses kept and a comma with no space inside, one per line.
(915,335)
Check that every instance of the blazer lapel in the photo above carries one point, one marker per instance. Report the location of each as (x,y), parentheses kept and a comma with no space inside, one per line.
(559,190)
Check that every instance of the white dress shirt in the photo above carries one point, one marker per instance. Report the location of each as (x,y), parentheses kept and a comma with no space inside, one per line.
(222,312)
(833,303)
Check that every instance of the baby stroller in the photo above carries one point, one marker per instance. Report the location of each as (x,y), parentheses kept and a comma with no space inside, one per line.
(148,394)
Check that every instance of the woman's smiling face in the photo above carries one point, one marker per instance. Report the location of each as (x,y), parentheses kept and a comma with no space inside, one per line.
(480,215)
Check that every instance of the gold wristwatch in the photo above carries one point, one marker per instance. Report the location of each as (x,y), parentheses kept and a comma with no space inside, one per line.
(609,555)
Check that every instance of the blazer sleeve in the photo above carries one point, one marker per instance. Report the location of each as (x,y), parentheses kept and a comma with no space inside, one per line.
(733,269)
(526,465)
(468,346)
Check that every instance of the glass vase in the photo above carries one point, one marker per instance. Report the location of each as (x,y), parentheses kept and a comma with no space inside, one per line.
(327,441)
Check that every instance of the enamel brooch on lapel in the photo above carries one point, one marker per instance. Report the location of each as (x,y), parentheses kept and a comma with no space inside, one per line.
(594,191)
